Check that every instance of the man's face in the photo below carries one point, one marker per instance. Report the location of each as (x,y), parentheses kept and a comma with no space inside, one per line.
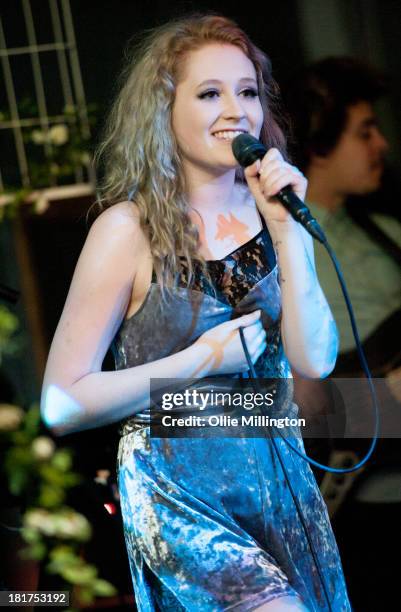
(355,165)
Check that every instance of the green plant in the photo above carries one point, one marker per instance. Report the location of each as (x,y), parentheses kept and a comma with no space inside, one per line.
(8,327)
(39,475)
(57,152)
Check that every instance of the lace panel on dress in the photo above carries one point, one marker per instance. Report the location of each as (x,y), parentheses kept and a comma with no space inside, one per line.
(234,275)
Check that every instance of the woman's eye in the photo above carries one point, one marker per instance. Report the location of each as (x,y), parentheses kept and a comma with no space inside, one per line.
(211,93)
(249,93)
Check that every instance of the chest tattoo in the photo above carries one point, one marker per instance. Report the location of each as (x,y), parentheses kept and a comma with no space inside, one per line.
(233,228)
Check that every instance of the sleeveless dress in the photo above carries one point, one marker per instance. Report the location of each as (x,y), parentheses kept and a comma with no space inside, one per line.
(210,524)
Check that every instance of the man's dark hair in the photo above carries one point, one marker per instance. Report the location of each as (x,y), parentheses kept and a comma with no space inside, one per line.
(318,102)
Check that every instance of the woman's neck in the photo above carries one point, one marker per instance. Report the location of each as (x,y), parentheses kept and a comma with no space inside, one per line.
(208,193)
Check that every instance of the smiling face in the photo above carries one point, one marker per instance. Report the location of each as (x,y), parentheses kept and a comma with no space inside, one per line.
(216,99)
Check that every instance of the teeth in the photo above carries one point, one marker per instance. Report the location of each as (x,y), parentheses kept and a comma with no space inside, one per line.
(228,135)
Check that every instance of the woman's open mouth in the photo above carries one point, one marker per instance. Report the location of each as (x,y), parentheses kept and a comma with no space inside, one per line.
(228,134)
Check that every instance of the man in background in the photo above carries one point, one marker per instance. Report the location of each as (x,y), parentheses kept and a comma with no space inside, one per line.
(341,150)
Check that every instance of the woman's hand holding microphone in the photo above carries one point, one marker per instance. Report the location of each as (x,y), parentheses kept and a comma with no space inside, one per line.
(267,177)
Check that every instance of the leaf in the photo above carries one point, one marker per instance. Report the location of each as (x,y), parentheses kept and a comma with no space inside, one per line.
(20,441)
(61,553)
(62,460)
(63,557)
(51,475)
(8,321)
(103,588)
(20,453)
(85,596)
(34,551)
(32,420)
(17,481)
(79,575)
(71,479)
(50,496)
(31,535)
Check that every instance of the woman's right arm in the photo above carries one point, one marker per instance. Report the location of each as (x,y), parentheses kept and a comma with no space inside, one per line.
(76,394)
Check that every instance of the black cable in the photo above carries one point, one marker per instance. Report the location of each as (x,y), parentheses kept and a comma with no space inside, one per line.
(366,370)
(246,150)
(266,431)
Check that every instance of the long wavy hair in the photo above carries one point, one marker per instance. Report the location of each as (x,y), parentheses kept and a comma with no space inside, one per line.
(138,153)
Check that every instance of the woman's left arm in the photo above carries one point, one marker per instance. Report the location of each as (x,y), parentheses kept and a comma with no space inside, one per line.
(308,329)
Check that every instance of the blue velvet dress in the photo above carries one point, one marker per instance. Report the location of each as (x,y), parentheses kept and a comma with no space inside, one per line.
(209,523)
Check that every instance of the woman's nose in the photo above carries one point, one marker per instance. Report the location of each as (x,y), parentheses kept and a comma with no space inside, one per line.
(232,107)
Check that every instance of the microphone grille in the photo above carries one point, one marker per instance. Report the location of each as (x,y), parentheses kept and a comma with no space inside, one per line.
(247,149)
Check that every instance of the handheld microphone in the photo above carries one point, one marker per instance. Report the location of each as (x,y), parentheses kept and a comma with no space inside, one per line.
(247,149)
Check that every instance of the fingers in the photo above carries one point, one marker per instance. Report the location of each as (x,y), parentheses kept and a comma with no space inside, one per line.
(278,175)
(254,340)
(253,170)
(225,342)
(273,154)
(275,174)
(256,343)
(258,351)
(246,320)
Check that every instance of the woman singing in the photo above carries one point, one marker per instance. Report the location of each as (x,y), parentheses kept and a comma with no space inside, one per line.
(188,249)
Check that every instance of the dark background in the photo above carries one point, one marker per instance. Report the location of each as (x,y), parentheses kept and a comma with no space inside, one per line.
(293,33)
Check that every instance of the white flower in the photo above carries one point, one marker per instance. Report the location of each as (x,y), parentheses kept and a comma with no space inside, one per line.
(43,448)
(41,520)
(64,524)
(73,525)
(58,134)
(38,137)
(10,417)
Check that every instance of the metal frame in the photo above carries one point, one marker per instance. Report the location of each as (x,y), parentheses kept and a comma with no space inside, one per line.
(70,74)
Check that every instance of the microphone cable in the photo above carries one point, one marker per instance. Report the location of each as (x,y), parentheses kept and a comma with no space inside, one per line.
(247,149)
(366,370)
(257,388)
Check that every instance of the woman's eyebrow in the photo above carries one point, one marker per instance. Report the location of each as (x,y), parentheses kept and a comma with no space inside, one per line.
(242,81)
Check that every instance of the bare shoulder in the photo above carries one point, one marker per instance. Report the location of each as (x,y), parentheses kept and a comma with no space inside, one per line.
(117,230)
(123,216)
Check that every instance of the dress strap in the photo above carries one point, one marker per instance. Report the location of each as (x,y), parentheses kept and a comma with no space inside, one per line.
(269,249)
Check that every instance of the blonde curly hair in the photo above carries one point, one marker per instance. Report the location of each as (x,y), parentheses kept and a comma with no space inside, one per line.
(139,153)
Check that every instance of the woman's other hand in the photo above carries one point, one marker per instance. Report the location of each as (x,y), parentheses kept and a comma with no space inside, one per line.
(267,177)
(222,350)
